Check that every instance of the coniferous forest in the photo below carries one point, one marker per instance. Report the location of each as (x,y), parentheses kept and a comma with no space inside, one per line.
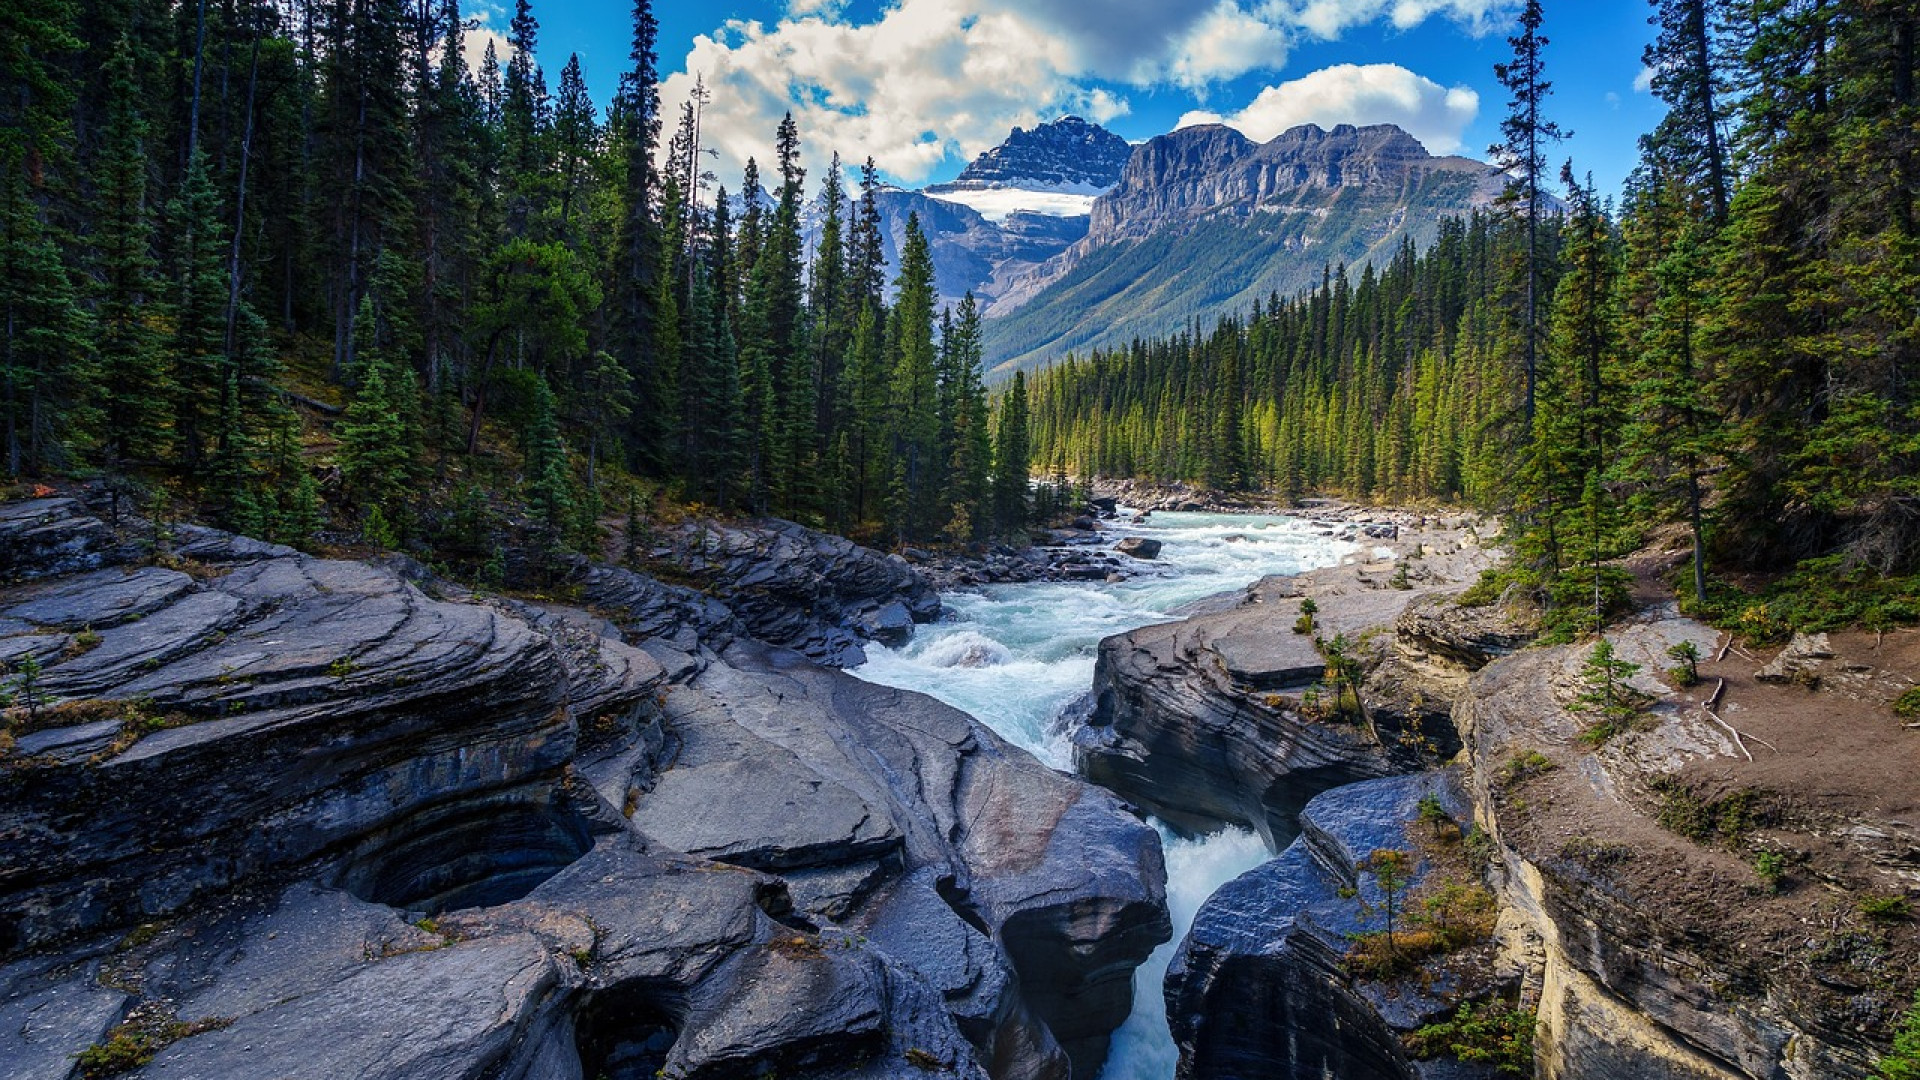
(296,267)
(1732,350)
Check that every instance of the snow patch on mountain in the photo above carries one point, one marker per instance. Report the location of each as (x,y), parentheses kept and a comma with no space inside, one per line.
(997,204)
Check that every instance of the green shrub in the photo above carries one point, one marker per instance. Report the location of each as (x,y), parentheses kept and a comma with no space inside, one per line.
(1493,1034)
(1704,821)
(1903,1061)
(1770,867)
(1522,767)
(1907,705)
(1883,908)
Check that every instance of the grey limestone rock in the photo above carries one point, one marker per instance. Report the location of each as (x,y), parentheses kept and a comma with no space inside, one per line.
(369,825)
(1257,987)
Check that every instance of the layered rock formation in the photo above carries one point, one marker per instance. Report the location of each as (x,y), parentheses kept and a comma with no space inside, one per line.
(1628,870)
(1713,890)
(777,582)
(1205,722)
(276,815)
(1259,986)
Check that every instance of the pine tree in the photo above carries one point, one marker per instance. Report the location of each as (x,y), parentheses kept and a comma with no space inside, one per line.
(546,478)
(1687,74)
(1526,133)
(133,380)
(47,341)
(913,426)
(1011,467)
(379,438)
(197,347)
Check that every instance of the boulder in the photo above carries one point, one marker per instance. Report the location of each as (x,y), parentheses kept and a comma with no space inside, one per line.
(1258,986)
(41,537)
(1175,731)
(861,797)
(818,594)
(1140,547)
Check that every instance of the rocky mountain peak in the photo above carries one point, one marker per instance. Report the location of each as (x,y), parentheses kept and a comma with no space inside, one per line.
(1067,154)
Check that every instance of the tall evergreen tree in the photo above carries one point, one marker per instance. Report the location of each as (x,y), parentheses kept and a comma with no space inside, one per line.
(1525,135)
(133,377)
(913,426)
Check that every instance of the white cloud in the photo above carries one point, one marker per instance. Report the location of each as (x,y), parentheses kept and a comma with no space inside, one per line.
(880,88)
(1329,19)
(487,17)
(930,79)
(1643,82)
(1352,94)
(1224,44)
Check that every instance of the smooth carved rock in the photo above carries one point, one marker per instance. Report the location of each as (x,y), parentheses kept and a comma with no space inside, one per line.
(1258,986)
(1173,731)
(817,594)
(342,749)
(1140,547)
(1059,890)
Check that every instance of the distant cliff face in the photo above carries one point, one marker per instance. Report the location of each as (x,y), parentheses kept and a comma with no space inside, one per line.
(1205,221)
(1067,154)
(1200,172)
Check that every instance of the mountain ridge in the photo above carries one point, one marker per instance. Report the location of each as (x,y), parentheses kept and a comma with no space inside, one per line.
(1222,220)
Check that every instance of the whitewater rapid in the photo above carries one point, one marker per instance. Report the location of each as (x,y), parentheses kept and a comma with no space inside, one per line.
(1015,656)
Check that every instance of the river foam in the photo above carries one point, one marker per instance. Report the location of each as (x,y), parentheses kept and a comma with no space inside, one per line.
(1016,656)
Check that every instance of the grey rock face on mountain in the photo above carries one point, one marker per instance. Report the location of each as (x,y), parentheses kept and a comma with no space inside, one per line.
(320,788)
(1206,220)
(1258,986)
(1201,172)
(1068,153)
(970,253)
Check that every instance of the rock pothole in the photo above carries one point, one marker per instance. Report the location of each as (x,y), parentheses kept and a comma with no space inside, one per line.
(468,858)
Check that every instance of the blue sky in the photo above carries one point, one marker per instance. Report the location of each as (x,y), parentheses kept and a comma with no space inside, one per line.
(924,85)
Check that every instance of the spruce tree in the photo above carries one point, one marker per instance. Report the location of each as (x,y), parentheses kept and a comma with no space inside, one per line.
(1525,135)
(133,380)
(1011,465)
(913,426)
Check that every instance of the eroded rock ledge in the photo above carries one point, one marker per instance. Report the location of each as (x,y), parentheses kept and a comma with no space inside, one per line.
(1714,892)
(294,817)
(1203,722)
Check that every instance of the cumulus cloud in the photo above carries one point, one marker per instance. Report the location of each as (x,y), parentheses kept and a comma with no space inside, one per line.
(1354,94)
(928,80)
(1330,18)
(1224,44)
(881,88)
(1643,82)
(488,18)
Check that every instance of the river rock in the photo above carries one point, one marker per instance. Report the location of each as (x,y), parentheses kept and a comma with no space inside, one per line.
(1140,547)
(569,846)
(1258,986)
(818,594)
(857,795)
(1204,722)
(1176,730)
(39,537)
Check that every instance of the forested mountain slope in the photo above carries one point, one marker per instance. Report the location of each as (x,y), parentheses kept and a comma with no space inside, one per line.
(1204,221)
